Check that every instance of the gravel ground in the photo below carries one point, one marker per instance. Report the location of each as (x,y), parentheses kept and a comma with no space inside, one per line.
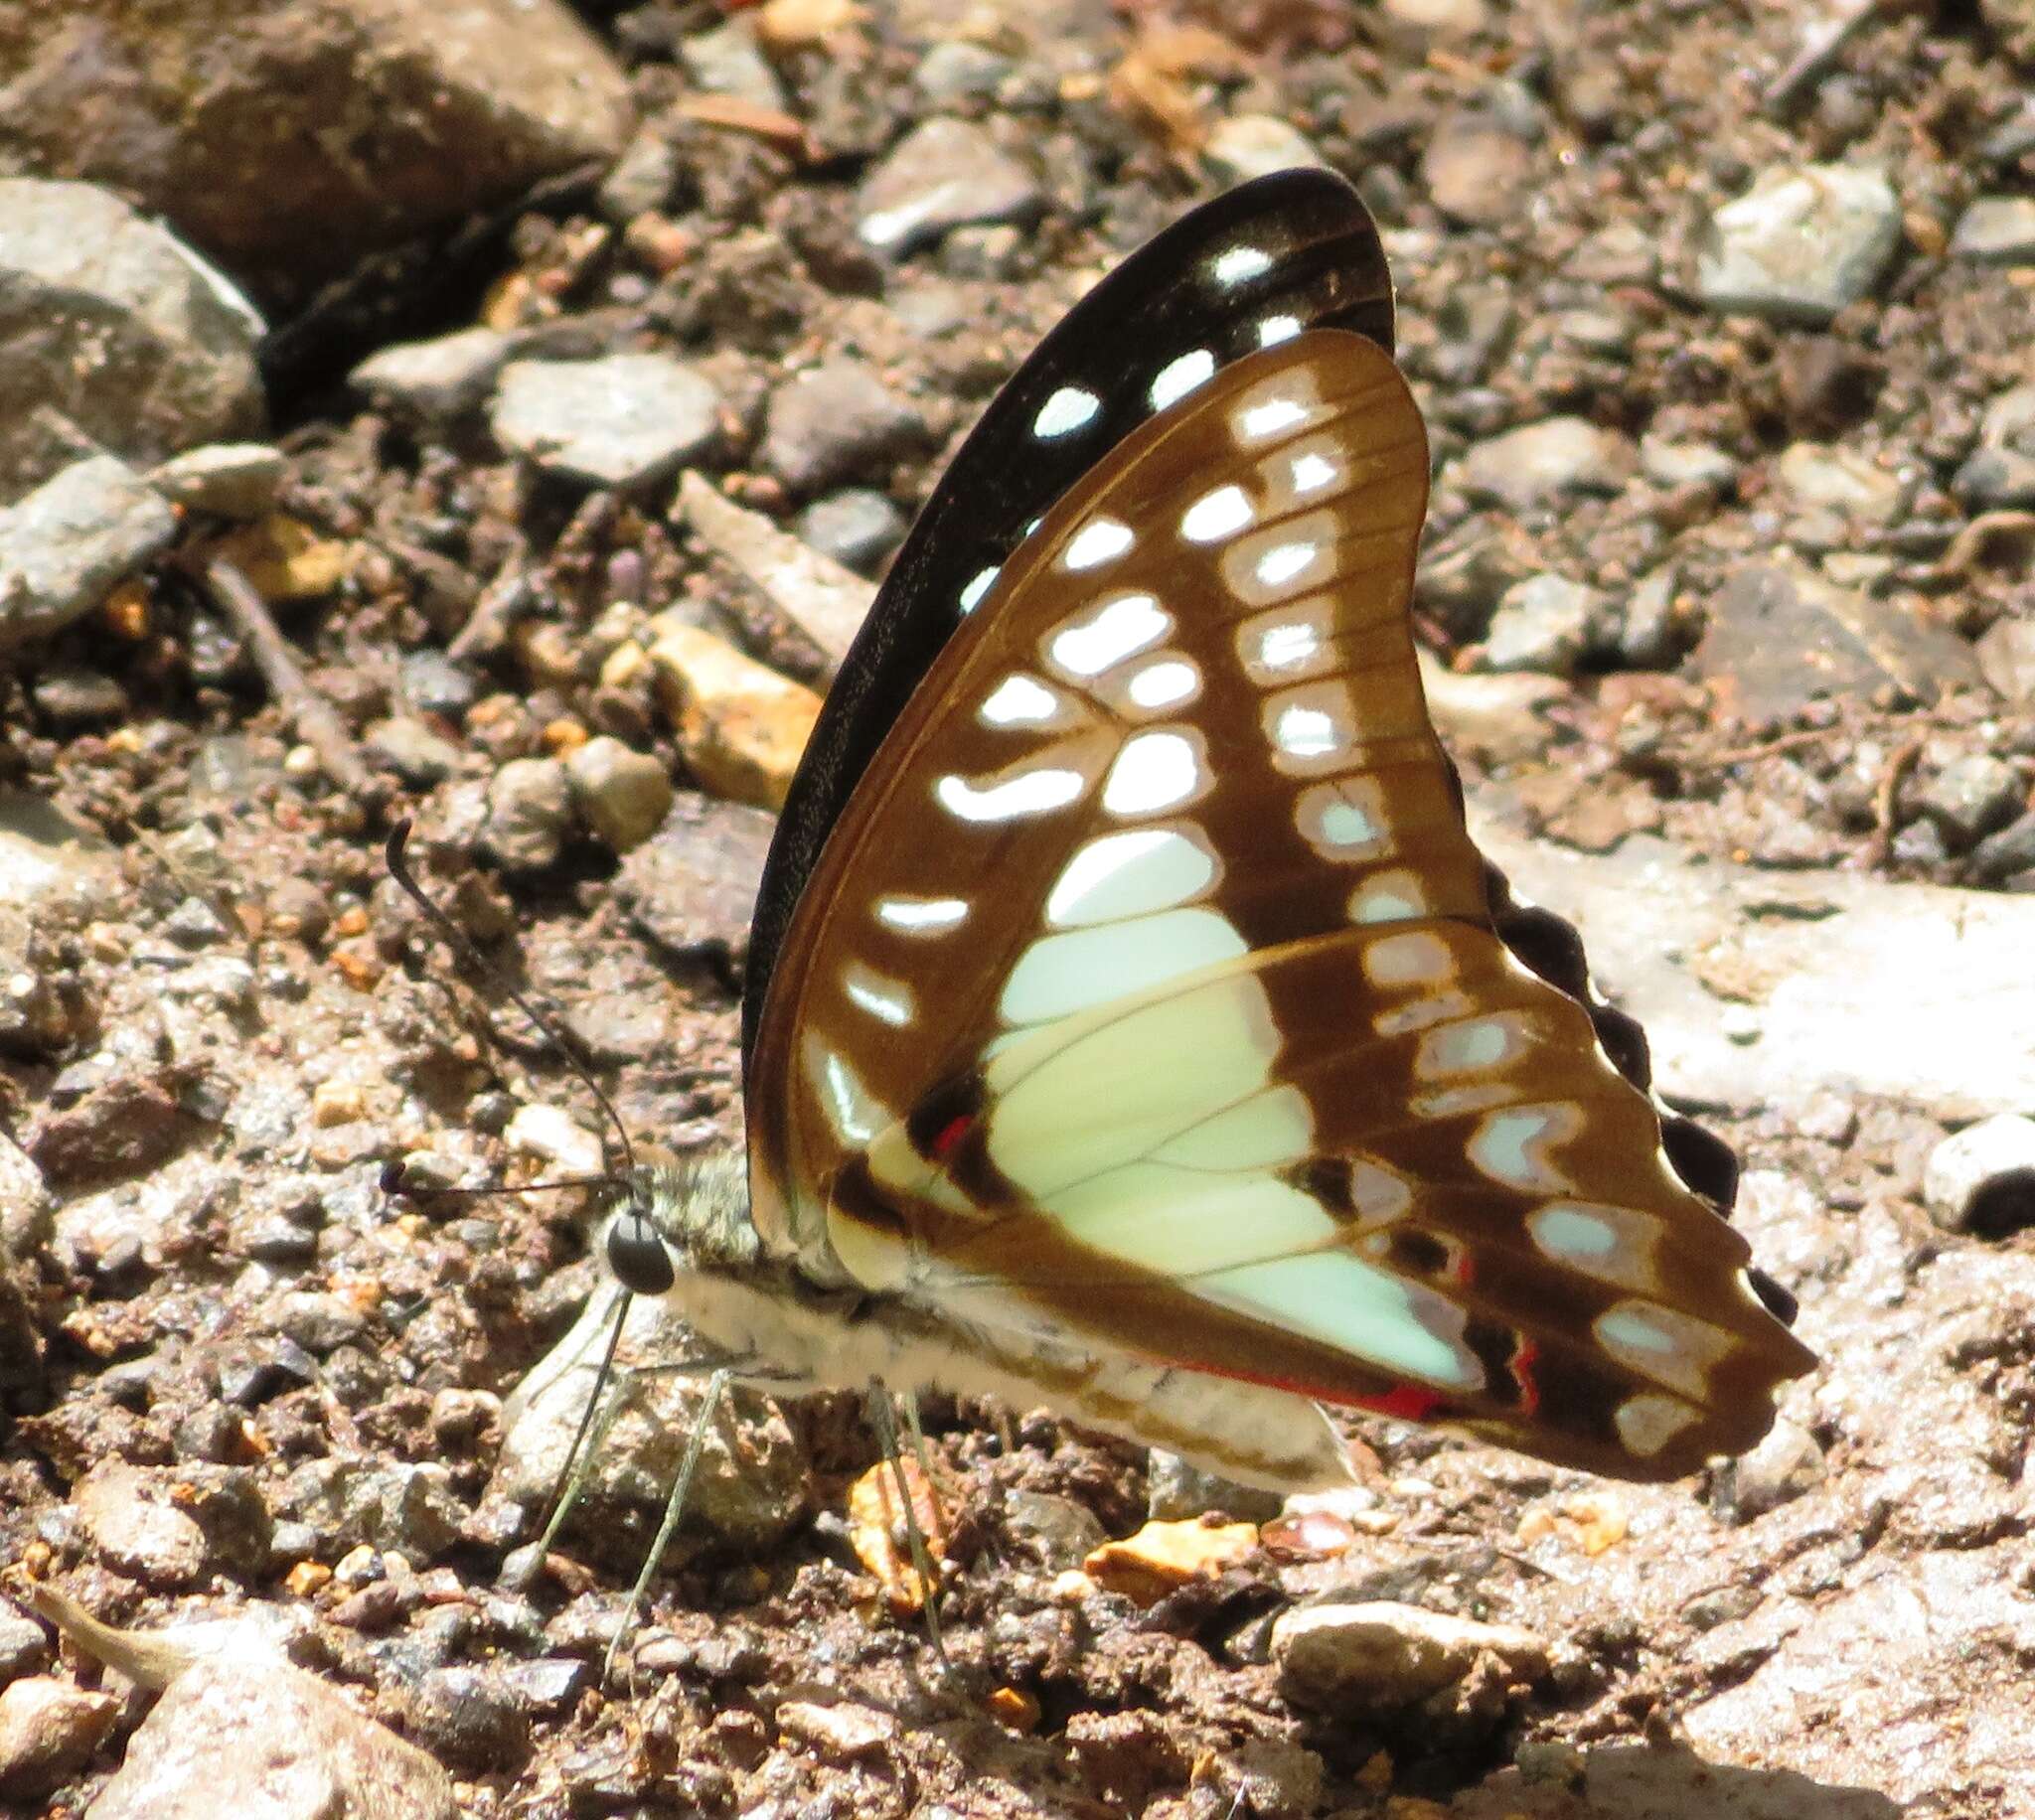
(1765,592)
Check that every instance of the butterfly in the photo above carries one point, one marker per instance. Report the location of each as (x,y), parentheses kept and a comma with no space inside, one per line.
(1130,1025)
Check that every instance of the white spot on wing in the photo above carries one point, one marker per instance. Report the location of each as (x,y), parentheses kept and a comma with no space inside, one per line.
(1129,874)
(1284,562)
(842,1098)
(971,595)
(1098,542)
(1255,422)
(1345,819)
(1311,471)
(1512,1147)
(1613,1243)
(1153,771)
(1289,646)
(1306,732)
(1121,627)
(1416,959)
(888,1000)
(1062,973)
(1397,896)
(1064,412)
(1162,684)
(1177,378)
(1029,793)
(1237,264)
(1472,1046)
(1664,1344)
(1019,701)
(1217,515)
(1649,1421)
(1276,329)
(922,915)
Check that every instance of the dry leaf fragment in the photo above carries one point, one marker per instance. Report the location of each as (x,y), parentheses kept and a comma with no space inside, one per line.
(878,1531)
(1163,1557)
(1152,85)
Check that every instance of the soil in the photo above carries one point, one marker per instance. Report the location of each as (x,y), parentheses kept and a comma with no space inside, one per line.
(251,1019)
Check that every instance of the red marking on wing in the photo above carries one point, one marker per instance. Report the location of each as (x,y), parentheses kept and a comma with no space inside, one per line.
(1407,1401)
(951,1135)
(1523,1362)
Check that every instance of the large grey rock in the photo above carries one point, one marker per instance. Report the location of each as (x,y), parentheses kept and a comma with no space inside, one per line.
(114,334)
(1802,243)
(65,545)
(622,421)
(939,176)
(1780,635)
(290,139)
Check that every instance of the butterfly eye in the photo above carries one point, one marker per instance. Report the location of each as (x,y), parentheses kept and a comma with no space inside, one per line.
(639,1258)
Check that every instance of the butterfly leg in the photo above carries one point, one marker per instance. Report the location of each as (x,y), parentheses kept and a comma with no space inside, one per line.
(884,1420)
(603,1404)
(675,1507)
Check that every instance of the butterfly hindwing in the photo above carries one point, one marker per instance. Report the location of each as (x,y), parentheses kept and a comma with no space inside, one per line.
(1149,990)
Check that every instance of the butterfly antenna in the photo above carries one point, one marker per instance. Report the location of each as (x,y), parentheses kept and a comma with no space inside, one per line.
(466,950)
(635,1253)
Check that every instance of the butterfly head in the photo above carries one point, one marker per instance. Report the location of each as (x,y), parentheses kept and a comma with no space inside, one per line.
(686,1215)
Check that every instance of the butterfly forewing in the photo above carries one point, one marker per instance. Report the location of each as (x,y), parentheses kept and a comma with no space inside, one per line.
(1264,262)
(1149,992)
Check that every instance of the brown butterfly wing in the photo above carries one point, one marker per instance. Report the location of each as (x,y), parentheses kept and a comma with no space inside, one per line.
(1148,987)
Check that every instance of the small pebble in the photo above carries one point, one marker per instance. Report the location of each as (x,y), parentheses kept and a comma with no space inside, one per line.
(529,808)
(1539,462)
(742,726)
(1800,244)
(941,175)
(49,1730)
(1378,1656)
(1243,146)
(65,545)
(439,381)
(1996,230)
(1787,1463)
(1547,623)
(954,69)
(624,795)
(131,1521)
(856,527)
(833,421)
(627,420)
(1982,1179)
(235,480)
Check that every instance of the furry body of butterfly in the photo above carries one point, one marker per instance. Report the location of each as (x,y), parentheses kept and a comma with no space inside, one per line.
(774,1329)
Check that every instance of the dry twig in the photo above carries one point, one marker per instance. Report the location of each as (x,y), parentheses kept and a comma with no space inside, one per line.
(318,724)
